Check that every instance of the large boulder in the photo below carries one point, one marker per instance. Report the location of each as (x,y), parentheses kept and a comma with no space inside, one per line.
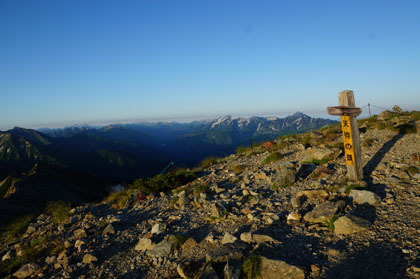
(350,224)
(274,269)
(363,196)
(285,175)
(324,212)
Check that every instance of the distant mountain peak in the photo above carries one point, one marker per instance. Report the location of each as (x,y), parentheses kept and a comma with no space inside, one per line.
(299,114)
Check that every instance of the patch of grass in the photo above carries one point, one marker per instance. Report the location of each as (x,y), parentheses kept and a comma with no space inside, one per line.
(200,188)
(173,201)
(305,139)
(330,223)
(353,187)
(368,142)
(59,210)
(238,168)
(30,253)
(415,115)
(14,230)
(57,249)
(119,198)
(274,156)
(164,182)
(412,170)
(208,162)
(277,187)
(407,128)
(386,125)
(252,267)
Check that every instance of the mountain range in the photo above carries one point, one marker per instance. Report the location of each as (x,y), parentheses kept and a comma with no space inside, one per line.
(128,151)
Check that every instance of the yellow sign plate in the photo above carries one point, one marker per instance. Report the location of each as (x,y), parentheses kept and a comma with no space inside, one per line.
(348,140)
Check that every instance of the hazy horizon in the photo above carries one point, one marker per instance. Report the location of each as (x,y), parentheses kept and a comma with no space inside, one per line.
(66,63)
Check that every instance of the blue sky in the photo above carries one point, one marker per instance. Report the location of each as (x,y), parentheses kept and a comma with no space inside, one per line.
(69,62)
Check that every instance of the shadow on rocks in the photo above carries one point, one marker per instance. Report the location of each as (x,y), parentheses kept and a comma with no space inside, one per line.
(378,261)
(377,158)
(365,211)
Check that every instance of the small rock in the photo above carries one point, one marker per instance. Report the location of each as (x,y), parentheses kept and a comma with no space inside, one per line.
(218,210)
(157,229)
(188,269)
(109,229)
(261,238)
(189,244)
(30,230)
(350,224)
(363,196)
(228,238)
(88,258)
(50,260)
(293,217)
(246,237)
(79,233)
(314,195)
(144,244)
(26,270)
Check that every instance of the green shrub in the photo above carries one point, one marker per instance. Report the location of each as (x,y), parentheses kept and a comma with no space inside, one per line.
(415,115)
(164,182)
(368,142)
(12,231)
(330,223)
(208,162)
(274,156)
(200,188)
(277,187)
(238,168)
(30,253)
(305,139)
(412,170)
(119,198)
(407,128)
(252,267)
(318,161)
(59,210)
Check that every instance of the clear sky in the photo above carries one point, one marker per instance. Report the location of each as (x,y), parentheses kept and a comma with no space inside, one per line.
(67,62)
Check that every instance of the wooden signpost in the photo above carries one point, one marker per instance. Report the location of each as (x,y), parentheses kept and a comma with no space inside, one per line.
(351,138)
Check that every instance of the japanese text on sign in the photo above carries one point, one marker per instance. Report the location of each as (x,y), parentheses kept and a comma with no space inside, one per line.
(348,141)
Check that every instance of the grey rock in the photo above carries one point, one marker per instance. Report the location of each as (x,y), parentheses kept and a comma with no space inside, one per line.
(162,249)
(274,269)
(286,175)
(363,196)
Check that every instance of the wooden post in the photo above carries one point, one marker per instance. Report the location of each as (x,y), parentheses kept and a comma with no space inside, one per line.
(351,138)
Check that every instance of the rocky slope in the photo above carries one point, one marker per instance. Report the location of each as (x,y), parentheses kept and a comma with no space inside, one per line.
(290,215)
